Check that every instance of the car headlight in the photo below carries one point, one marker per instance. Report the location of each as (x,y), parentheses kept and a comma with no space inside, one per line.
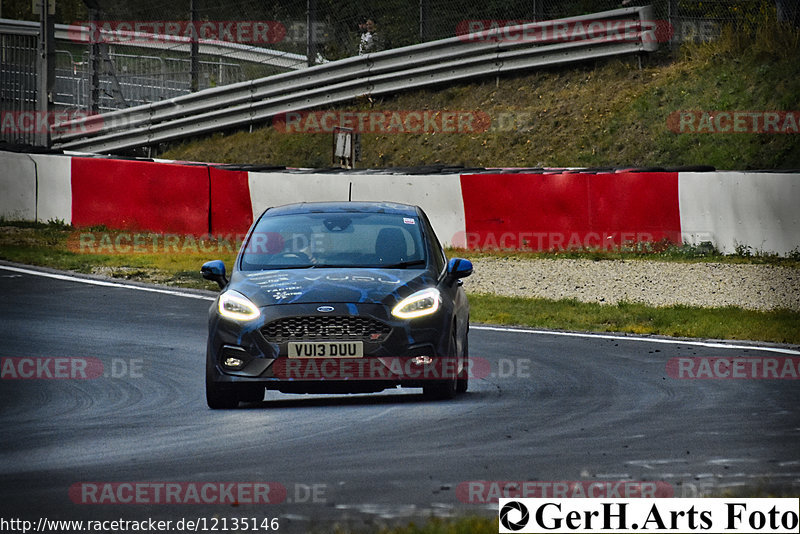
(236,306)
(418,304)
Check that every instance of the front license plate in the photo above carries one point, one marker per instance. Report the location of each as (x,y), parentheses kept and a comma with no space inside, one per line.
(326,349)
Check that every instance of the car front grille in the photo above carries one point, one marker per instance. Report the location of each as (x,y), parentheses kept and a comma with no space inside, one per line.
(318,327)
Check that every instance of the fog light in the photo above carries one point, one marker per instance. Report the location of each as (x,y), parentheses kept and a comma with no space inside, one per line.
(422,360)
(233,363)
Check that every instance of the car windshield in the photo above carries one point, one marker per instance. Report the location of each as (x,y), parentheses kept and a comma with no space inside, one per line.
(317,240)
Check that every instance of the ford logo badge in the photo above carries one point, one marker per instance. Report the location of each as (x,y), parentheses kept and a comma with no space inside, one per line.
(325,309)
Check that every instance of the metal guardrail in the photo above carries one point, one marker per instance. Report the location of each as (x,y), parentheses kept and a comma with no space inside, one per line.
(436,62)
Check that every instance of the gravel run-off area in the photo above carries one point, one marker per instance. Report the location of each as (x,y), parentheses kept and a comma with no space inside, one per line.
(751,286)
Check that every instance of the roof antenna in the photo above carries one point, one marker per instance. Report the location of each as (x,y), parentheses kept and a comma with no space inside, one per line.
(350,193)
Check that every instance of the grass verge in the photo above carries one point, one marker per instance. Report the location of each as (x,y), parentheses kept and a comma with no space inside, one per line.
(779,326)
(605,113)
(53,245)
(467,525)
(644,252)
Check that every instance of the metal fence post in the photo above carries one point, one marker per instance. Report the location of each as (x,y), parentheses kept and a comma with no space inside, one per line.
(423,21)
(194,48)
(311,53)
(46,69)
(94,61)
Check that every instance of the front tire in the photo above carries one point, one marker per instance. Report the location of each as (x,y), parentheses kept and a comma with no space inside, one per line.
(251,393)
(463,377)
(219,397)
(445,389)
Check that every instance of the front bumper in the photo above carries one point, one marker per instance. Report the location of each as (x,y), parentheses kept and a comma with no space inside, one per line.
(412,353)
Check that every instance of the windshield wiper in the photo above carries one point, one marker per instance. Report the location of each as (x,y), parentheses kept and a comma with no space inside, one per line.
(403,264)
(280,267)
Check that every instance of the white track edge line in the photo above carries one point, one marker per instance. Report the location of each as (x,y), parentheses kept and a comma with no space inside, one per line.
(707,344)
(105,283)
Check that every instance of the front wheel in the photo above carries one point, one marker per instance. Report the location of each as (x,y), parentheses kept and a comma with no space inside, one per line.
(445,389)
(463,377)
(220,398)
(251,393)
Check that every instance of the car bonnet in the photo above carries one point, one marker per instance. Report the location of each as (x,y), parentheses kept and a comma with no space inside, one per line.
(308,286)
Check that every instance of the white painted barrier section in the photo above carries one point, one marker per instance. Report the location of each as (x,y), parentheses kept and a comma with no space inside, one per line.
(730,209)
(278,188)
(55,187)
(438,195)
(17,187)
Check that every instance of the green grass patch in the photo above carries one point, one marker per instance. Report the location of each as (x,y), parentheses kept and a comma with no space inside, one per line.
(465,525)
(606,113)
(57,246)
(644,252)
(779,326)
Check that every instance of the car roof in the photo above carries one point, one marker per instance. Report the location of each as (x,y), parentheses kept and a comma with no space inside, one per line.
(343,207)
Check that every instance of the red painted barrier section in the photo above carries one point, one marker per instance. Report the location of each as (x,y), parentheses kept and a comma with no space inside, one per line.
(637,202)
(569,211)
(137,195)
(231,209)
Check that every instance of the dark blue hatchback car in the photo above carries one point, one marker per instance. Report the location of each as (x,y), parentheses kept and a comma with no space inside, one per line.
(338,297)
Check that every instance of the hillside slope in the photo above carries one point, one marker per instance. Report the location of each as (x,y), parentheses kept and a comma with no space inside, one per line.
(609,113)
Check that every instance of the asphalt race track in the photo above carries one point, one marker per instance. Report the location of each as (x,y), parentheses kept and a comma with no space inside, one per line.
(554,408)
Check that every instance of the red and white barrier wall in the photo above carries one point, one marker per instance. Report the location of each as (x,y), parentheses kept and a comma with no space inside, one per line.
(570,210)
(733,209)
(504,210)
(35,187)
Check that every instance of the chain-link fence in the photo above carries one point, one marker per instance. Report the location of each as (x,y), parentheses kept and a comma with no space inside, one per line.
(248,39)
(337,26)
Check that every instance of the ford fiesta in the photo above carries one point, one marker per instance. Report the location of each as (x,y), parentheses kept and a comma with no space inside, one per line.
(337,297)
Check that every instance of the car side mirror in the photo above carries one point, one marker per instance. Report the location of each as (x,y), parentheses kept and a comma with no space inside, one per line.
(458,268)
(215,271)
